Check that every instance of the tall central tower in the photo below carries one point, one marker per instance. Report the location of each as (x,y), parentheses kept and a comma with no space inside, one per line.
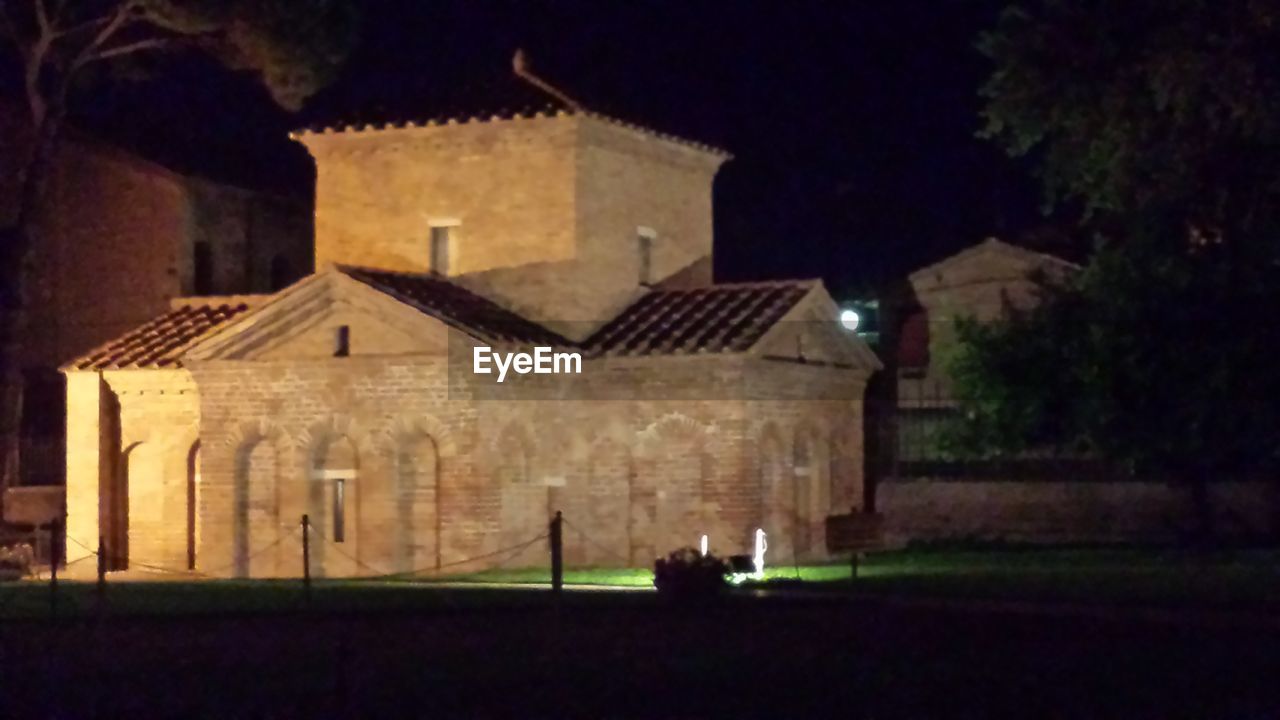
(557,212)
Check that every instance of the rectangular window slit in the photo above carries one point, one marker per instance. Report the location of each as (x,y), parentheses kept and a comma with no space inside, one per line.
(439,260)
(339,510)
(644,246)
(342,341)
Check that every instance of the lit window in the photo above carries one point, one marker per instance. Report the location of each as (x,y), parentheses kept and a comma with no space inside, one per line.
(342,341)
(439,260)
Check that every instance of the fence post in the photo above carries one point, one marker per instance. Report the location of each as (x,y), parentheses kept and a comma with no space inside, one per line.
(557,554)
(306,556)
(102,575)
(54,556)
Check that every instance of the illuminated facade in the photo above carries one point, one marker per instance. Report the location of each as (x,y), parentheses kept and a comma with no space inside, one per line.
(200,439)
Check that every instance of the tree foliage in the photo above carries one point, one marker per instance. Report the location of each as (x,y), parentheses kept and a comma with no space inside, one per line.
(1143,102)
(1155,128)
(1143,359)
(294,46)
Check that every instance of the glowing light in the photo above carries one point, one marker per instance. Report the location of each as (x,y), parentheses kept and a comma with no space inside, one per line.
(704,546)
(761,546)
(850,319)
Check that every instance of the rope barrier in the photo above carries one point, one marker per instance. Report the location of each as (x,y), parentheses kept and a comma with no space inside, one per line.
(341,551)
(508,553)
(186,572)
(511,551)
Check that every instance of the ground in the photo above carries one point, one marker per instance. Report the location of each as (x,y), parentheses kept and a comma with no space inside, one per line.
(904,640)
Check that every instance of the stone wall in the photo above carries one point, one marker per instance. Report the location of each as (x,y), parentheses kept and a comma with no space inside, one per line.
(545,211)
(118,243)
(1044,511)
(434,475)
(509,184)
(132,450)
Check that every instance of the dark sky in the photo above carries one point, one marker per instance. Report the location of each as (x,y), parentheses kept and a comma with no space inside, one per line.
(852,122)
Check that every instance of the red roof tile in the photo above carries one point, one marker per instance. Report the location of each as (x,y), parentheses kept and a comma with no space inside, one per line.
(718,318)
(160,342)
(457,306)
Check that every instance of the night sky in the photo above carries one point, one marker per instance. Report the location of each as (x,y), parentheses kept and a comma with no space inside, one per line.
(852,124)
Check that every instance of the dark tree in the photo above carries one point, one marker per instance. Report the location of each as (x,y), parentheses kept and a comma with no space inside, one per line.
(294,47)
(1155,128)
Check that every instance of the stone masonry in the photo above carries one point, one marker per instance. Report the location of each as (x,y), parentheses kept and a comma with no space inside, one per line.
(200,439)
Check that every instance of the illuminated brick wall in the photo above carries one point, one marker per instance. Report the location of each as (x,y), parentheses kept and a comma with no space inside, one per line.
(548,208)
(638,477)
(118,243)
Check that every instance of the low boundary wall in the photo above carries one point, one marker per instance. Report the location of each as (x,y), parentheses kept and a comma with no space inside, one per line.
(1059,511)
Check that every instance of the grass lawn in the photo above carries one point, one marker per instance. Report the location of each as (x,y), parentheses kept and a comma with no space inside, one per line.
(1169,578)
(375,648)
(1247,579)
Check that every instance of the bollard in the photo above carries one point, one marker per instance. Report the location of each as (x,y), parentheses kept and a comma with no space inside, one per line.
(102,575)
(557,554)
(306,556)
(54,556)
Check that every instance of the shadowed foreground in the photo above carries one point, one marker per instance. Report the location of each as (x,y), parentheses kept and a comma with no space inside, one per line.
(607,654)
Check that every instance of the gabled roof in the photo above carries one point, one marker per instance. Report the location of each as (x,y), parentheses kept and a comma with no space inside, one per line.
(161,342)
(461,308)
(729,318)
(713,319)
(994,245)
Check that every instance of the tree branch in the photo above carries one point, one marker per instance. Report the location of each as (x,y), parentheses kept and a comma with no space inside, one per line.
(117,21)
(111,24)
(128,49)
(42,16)
(74,29)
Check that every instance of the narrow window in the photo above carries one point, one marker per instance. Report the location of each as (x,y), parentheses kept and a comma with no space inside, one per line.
(339,510)
(439,261)
(644,249)
(342,341)
(202,269)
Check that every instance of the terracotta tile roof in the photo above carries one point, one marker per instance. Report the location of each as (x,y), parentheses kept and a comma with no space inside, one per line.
(718,318)
(160,342)
(457,306)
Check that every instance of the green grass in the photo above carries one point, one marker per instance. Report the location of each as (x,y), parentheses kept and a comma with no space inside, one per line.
(1128,576)
(613,577)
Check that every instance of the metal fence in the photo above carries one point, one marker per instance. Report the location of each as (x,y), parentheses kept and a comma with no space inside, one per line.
(926,412)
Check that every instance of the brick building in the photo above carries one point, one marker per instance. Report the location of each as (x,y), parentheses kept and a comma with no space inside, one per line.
(199,439)
(121,237)
(982,282)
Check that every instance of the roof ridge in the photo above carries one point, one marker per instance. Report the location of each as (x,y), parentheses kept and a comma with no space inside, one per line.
(740,284)
(494,320)
(211,300)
